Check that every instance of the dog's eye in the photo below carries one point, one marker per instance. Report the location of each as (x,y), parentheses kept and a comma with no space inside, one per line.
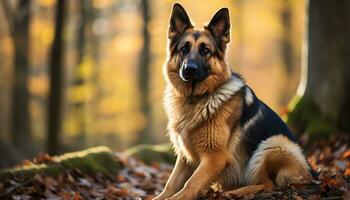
(185,49)
(205,51)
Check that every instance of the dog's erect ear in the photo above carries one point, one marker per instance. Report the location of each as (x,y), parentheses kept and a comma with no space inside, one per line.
(219,25)
(179,22)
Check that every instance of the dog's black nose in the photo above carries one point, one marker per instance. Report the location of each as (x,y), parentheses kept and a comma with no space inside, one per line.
(191,69)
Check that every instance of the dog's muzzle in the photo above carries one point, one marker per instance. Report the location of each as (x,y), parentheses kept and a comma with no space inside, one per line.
(191,72)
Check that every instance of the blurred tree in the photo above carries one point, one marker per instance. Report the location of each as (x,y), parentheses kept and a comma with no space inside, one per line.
(79,80)
(239,14)
(143,76)
(83,6)
(56,75)
(94,48)
(18,19)
(287,49)
(324,108)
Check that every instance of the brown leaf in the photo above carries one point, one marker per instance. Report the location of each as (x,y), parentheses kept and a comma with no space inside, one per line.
(70,178)
(347,172)
(64,195)
(314,197)
(26,163)
(120,178)
(346,154)
(49,182)
(122,192)
(42,158)
(155,165)
(346,195)
(60,178)
(21,197)
(340,181)
(297,197)
(39,178)
(50,195)
(77,196)
(112,191)
(149,197)
(139,174)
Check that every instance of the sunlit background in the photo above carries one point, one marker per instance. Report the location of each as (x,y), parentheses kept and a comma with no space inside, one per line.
(105,98)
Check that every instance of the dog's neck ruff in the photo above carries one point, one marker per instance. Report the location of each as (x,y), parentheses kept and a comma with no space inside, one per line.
(231,87)
(191,115)
(222,95)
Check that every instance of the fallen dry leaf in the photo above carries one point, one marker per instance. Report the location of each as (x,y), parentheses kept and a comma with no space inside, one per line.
(330,158)
(347,172)
(297,197)
(346,154)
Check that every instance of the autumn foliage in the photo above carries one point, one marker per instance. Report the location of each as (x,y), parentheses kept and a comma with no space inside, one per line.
(136,180)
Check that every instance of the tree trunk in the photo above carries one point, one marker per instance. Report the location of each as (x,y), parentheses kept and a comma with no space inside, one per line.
(287,51)
(80,107)
(287,48)
(143,75)
(56,76)
(325,105)
(19,20)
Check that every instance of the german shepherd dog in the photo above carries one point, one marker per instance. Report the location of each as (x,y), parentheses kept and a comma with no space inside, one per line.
(221,132)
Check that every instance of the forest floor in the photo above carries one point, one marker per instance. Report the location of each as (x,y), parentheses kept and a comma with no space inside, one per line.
(330,158)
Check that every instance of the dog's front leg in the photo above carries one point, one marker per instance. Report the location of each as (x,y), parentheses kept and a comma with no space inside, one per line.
(182,171)
(209,168)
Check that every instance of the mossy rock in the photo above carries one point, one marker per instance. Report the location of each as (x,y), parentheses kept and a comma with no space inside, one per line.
(162,153)
(306,117)
(90,161)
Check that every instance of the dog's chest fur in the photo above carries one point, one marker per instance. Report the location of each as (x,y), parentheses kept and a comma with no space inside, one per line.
(206,125)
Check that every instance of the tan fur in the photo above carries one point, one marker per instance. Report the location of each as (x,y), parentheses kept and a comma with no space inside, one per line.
(277,157)
(219,73)
(248,192)
(201,132)
(203,126)
(276,162)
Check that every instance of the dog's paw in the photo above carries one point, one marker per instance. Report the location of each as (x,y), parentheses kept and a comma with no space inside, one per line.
(159,198)
(247,192)
(163,195)
(182,195)
(239,195)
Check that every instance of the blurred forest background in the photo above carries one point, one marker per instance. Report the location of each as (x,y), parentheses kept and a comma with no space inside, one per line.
(75,74)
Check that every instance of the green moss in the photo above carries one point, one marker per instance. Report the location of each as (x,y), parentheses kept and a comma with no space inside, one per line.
(320,128)
(98,159)
(94,160)
(306,117)
(31,170)
(303,111)
(153,153)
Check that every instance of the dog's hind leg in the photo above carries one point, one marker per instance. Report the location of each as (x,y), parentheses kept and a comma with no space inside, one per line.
(277,162)
(281,160)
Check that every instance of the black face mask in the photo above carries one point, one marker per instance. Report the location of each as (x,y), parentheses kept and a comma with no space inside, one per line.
(193,71)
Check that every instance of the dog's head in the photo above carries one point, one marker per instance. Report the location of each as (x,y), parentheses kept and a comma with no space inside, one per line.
(196,64)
